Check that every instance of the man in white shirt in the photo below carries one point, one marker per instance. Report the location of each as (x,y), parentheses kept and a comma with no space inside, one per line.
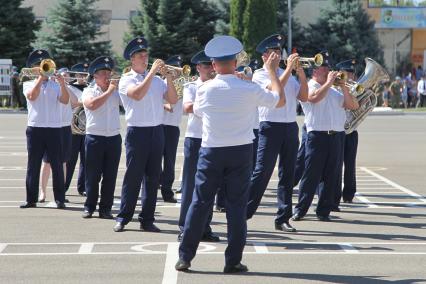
(44,98)
(278,135)
(142,94)
(171,120)
(103,140)
(226,106)
(324,118)
(77,139)
(192,143)
(421,91)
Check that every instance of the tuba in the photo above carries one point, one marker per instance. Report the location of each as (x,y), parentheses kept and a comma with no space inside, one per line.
(182,76)
(78,122)
(370,80)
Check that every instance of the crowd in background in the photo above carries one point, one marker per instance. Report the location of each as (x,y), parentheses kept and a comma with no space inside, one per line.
(408,91)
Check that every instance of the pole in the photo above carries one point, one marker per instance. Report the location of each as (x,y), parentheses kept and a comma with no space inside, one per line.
(289,39)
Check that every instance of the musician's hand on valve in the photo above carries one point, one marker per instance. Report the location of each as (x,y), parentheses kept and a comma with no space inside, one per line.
(60,79)
(292,61)
(332,75)
(157,66)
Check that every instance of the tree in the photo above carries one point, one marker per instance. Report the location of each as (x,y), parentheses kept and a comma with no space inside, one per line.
(346,31)
(259,21)
(174,27)
(298,33)
(17,31)
(237,9)
(223,23)
(73,32)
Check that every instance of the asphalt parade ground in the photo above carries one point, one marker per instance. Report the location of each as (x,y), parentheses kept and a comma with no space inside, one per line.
(380,238)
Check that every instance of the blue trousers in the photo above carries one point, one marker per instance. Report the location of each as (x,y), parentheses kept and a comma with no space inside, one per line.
(102,160)
(220,197)
(42,140)
(275,139)
(349,159)
(144,149)
(322,160)
(215,165)
(171,141)
(191,148)
(78,147)
(300,162)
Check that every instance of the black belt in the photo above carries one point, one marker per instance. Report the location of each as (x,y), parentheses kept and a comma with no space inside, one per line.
(329,132)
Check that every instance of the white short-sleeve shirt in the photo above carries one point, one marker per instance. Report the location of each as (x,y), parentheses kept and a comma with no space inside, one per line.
(149,110)
(46,110)
(226,105)
(104,121)
(327,114)
(174,118)
(291,90)
(194,128)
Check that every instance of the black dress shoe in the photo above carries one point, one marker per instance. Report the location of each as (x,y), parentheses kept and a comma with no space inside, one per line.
(87,214)
(82,193)
(119,227)
(180,237)
(182,265)
(323,218)
(179,190)
(347,201)
(150,228)
(235,268)
(106,215)
(66,200)
(42,200)
(170,200)
(296,217)
(28,205)
(210,237)
(285,227)
(220,209)
(60,205)
(335,209)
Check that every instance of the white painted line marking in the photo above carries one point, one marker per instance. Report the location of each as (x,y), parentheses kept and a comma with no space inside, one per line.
(365,200)
(2,247)
(86,248)
(349,248)
(380,192)
(395,185)
(51,204)
(260,247)
(170,273)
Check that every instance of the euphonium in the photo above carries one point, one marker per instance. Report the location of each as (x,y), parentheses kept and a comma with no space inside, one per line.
(342,78)
(182,76)
(373,76)
(78,122)
(243,59)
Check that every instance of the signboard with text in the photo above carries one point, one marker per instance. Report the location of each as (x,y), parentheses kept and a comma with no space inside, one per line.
(396,18)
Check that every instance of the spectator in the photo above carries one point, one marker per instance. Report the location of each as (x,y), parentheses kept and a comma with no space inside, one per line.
(421,92)
(395,90)
(404,94)
(419,72)
(386,96)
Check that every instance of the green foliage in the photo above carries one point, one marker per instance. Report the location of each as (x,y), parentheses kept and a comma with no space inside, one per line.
(237,8)
(17,31)
(73,30)
(346,31)
(174,27)
(260,21)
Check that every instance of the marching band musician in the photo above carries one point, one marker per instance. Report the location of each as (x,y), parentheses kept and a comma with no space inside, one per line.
(171,121)
(77,144)
(192,143)
(142,94)
(349,150)
(103,140)
(324,118)
(226,106)
(278,135)
(44,97)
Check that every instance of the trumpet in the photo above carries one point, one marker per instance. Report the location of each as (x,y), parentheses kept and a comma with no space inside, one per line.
(47,68)
(176,72)
(307,62)
(342,78)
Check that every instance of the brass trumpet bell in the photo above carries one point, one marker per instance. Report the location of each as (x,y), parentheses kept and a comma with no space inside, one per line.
(307,62)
